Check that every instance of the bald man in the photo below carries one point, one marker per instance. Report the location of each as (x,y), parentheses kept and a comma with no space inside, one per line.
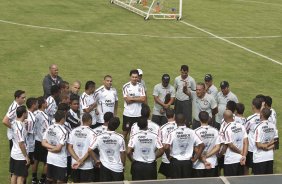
(50,80)
(75,88)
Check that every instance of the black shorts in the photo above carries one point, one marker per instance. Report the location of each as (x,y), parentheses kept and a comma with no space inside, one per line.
(81,176)
(249,159)
(200,173)
(18,167)
(180,168)
(31,157)
(143,171)
(56,173)
(40,152)
(109,175)
(263,167)
(233,169)
(128,122)
(165,169)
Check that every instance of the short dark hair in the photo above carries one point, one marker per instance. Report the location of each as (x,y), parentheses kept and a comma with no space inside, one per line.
(133,72)
(59,115)
(63,84)
(18,93)
(89,84)
(169,113)
(266,112)
(55,89)
(63,107)
(41,100)
(231,105)
(86,117)
(142,123)
(113,124)
(204,116)
(20,111)
(268,101)
(261,96)
(107,76)
(145,111)
(74,97)
(108,116)
(240,108)
(180,119)
(257,103)
(30,102)
(184,68)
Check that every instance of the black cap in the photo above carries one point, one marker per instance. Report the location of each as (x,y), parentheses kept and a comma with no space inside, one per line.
(224,84)
(208,77)
(165,78)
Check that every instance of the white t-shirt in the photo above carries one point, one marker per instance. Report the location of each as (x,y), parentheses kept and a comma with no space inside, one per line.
(252,122)
(56,134)
(221,103)
(31,132)
(19,134)
(129,90)
(100,129)
(207,103)
(165,130)
(212,90)
(41,124)
(152,127)
(182,141)
(241,120)
(264,133)
(210,137)
(178,85)
(11,114)
(106,101)
(84,102)
(235,133)
(51,107)
(110,144)
(144,144)
(273,117)
(81,138)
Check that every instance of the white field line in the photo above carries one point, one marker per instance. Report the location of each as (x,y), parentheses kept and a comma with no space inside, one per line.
(138,35)
(259,2)
(232,43)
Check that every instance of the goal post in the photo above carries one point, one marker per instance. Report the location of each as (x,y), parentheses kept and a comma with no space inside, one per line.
(157,9)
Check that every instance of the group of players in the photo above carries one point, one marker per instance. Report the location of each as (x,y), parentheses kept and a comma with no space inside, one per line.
(75,135)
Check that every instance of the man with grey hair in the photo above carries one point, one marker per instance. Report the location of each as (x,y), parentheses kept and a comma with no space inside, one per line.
(51,79)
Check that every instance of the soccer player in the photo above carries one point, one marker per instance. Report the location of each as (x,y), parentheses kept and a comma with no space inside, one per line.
(19,161)
(222,98)
(134,95)
(210,87)
(268,104)
(239,113)
(202,101)
(265,135)
(165,130)
(11,114)
(50,80)
(79,141)
(40,153)
(101,129)
(251,123)
(161,91)
(206,165)
(107,99)
(111,146)
(180,147)
(55,139)
(51,102)
(87,102)
(144,148)
(73,115)
(183,103)
(236,146)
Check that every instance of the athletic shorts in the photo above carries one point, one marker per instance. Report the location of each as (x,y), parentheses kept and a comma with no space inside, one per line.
(40,152)
(18,167)
(165,169)
(200,173)
(263,167)
(143,171)
(249,159)
(180,168)
(109,175)
(128,122)
(82,176)
(56,173)
(233,169)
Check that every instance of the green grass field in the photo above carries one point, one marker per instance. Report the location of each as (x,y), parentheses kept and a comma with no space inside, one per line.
(240,41)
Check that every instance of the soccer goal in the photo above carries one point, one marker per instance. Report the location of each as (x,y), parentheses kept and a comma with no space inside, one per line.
(157,9)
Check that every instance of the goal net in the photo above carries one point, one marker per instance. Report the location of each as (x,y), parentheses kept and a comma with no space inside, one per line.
(157,9)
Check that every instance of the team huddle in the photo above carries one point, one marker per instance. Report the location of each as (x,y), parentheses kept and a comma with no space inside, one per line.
(75,136)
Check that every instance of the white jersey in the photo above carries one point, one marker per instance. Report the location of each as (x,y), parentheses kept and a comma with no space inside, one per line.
(212,90)
(129,90)
(11,114)
(152,127)
(241,120)
(110,144)
(235,133)
(273,117)
(207,103)
(84,102)
(144,144)
(81,138)
(182,141)
(19,135)
(30,131)
(178,85)
(165,130)
(210,137)
(56,134)
(106,99)
(100,129)
(221,103)
(264,133)
(41,124)
(51,107)
(251,123)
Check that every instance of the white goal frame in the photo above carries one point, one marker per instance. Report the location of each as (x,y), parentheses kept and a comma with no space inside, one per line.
(147,14)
